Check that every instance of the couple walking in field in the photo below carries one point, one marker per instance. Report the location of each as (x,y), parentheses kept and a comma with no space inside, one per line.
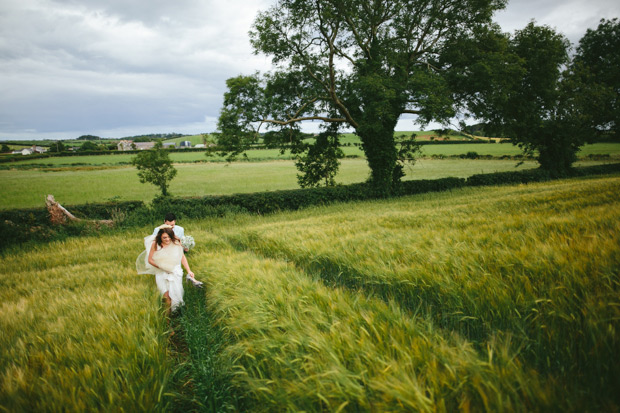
(164,256)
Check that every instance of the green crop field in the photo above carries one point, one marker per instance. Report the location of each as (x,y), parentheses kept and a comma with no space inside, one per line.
(257,155)
(419,135)
(28,188)
(479,299)
(194,139)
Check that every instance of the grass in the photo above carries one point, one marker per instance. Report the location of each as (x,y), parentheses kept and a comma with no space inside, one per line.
(259,155)
(299,345)
(79,332)
(28,188)
(194,139)
(495,299)
(500,299)
(420,136)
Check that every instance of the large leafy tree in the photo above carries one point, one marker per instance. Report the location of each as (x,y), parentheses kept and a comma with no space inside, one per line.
(155,167)
(597,65)
(362,63)
(521,87)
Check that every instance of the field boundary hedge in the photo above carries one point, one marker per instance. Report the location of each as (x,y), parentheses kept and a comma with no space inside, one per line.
(21,225)
(293,199)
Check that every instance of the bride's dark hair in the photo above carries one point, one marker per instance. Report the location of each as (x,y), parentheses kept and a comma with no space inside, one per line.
(170,233)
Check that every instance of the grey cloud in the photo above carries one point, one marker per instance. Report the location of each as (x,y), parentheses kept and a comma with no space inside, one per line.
(570,17)
(117,66)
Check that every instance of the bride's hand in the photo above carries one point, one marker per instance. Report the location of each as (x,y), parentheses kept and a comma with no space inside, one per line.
(190,274)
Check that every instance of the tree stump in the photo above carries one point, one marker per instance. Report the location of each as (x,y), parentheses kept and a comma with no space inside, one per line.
(59,214)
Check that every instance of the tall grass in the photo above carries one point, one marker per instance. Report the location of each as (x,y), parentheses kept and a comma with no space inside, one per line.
(528,271)
(79,331)
(297,345)
(480,299)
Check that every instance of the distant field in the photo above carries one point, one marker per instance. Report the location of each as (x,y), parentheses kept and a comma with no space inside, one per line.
(420,136)
(492,149)
(28,188)
(194,139)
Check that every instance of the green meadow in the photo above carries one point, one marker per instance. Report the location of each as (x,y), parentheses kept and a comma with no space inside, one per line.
(612,150)
(84,179)
(28,188)
(496,299)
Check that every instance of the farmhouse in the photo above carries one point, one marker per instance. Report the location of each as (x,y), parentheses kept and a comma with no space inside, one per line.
(128,145)
(144,145)
(124,145)
(31,150)
(185,144)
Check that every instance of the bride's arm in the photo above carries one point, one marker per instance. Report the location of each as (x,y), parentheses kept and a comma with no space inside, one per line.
(186,266)
(151,252)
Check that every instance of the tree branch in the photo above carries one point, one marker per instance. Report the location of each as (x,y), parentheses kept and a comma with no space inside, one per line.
(294,120)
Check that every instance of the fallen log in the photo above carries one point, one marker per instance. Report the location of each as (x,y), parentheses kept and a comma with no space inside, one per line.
(59,214)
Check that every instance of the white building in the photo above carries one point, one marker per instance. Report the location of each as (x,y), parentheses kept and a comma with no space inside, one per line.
(127,145)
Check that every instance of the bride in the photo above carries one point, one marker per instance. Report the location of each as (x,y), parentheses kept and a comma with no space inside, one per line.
(163,256)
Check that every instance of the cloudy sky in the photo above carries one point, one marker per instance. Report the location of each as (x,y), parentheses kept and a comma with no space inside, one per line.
(117,68)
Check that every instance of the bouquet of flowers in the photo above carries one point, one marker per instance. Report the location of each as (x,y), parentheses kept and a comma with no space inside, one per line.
(188,242)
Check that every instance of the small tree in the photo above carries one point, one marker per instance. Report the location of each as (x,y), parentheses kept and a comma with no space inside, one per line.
(89,146)
(154,166)
(57,146)
(5,148)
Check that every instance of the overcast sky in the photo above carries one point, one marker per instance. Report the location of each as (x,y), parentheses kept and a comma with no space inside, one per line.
(117,68)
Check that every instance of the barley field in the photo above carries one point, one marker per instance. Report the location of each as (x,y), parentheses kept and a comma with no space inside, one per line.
(79,331)
(496,299)
(479,299)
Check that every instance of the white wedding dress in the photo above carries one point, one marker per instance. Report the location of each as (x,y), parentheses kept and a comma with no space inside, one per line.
(169,275)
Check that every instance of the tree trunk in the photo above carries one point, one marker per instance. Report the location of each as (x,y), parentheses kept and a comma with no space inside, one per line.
(379,147)
(59,215)
(557,154)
